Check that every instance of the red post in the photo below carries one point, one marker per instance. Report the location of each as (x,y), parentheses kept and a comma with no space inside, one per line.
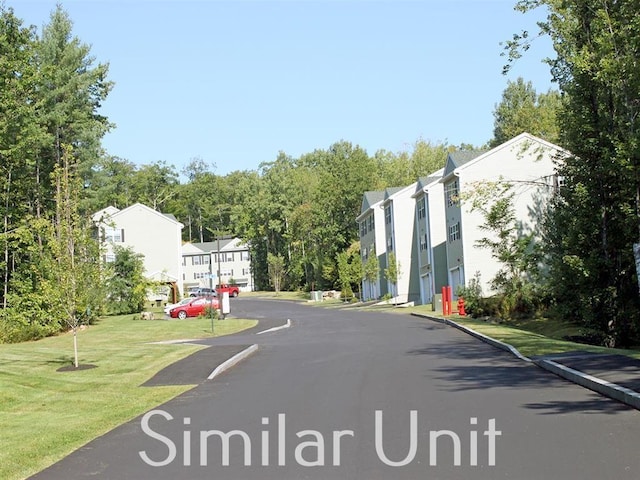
(444,301)
(449,299)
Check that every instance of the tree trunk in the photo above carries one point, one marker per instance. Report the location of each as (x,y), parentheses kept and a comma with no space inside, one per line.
(75,346)
(6,242)
(636,246)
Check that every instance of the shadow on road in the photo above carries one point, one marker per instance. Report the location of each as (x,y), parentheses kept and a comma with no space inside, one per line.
(595,405)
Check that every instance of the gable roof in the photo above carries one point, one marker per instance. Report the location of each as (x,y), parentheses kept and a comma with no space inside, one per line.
(425,182)
(389,192)
(206,247)
(105,213)
(523,137)
(108,213)
(369,199)
(460,157)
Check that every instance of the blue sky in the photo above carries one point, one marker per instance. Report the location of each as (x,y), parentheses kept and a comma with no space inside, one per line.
(235,82)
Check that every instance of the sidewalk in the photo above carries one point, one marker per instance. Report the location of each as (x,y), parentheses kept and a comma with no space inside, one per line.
(612,375)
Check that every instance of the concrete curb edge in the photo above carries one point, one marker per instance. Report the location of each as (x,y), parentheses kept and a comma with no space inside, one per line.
(274,329)
(608,389)
(491,341)
(611,390)
(232,361)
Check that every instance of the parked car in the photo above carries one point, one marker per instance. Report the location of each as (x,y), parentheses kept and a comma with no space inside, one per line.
(194,307)
(170,306)
(201,291)
(234,290)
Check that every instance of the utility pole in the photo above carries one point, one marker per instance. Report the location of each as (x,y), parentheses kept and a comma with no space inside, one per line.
(211,286)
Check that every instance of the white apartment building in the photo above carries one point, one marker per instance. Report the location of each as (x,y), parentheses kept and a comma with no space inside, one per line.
(227,259)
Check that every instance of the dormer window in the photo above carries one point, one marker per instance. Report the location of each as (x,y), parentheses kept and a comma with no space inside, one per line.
(452,194)
(387,215)
(422,211)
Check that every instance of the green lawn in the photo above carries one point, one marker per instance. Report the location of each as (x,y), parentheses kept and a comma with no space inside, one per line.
(46,414)
(297,296)
(535,336)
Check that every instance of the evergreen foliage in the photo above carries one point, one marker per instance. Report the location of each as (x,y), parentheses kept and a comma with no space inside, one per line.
(126,285)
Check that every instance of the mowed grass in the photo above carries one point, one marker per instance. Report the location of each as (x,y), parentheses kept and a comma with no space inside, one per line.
(533,336)
(45,414)
(266,295)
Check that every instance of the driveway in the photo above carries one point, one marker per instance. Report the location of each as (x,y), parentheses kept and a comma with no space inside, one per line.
(346,394)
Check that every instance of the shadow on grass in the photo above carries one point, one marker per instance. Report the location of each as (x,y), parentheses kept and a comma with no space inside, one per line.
(73,368)
(62,360)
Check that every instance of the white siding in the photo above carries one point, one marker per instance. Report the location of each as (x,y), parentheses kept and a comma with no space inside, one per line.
(150,233)
(524,161)
(401,230)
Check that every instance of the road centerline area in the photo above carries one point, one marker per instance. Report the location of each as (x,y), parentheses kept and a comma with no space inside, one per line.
(353,395)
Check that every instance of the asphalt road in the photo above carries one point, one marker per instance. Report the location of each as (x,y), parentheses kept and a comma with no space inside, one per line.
(346,394)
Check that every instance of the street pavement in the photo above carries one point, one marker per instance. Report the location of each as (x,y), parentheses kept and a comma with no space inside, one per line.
(352,394)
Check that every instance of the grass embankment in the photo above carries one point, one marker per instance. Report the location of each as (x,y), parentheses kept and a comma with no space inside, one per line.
(297,296)
(46,414)
(533,336)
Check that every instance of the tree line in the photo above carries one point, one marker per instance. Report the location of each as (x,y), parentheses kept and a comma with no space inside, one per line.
(54,174)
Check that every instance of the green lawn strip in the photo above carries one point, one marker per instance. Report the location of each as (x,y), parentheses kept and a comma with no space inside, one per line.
(539,336)
(532,344)
(264,295)
(46,414)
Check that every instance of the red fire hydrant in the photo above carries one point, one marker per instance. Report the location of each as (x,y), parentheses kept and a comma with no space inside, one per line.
(461,306)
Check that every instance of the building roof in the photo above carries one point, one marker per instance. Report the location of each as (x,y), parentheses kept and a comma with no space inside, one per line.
(424,182)
(369,199)
(474,156)
(111,212)
(460,157)
(213,246)
(391,190)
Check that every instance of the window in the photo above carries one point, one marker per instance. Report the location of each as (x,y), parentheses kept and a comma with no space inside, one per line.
(114,235)
(245,256)
(200,260)
(421,209)
(423,242)
(454,232)
(451,193)
(390,244)
(387,214)
(364,254)
(109,258)
(363,228)
(246,271)
(371,222)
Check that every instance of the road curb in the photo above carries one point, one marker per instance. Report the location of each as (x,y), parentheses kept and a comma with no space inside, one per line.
(274,329)
(608,389)
(238,357)
(611,390)
(481,336)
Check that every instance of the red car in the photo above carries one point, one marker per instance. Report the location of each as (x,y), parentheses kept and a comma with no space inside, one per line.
(194,307)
